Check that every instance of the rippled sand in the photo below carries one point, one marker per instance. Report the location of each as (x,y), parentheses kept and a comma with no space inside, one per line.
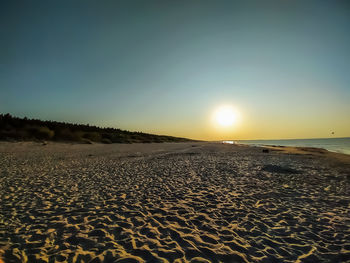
(186,202)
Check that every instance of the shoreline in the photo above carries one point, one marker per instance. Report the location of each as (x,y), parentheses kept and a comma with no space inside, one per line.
(320,152)
(295,149)
(338,145)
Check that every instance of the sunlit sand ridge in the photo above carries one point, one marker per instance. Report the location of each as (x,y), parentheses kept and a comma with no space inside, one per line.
(171,203)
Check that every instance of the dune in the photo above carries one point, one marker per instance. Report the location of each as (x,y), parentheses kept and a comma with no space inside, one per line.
(172,202)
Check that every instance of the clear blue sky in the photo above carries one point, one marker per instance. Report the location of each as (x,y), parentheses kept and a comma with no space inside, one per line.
(164,66)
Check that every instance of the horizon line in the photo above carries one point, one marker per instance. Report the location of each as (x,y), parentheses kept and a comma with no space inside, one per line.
(155,133)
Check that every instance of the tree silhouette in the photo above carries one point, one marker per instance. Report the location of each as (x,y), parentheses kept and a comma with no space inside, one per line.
(14,128)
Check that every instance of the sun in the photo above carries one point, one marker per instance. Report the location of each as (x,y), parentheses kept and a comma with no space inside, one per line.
(225,116)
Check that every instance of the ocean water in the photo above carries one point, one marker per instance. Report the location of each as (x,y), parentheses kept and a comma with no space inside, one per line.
(341,145)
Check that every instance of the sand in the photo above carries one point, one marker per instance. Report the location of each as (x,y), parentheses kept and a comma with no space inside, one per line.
(185,202)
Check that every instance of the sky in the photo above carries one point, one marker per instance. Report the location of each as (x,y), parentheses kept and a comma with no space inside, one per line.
(165,67)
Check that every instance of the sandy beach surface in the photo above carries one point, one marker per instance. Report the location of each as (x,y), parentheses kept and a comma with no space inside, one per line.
(172,202)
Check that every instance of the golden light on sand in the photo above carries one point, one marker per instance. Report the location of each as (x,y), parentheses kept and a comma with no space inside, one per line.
(225,116)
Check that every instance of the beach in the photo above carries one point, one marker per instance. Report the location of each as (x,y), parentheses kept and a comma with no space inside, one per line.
(172,202)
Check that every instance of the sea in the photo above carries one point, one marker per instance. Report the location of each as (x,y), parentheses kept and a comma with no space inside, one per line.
(340,145)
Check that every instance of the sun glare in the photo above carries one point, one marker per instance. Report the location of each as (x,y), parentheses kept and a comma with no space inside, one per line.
(225,116)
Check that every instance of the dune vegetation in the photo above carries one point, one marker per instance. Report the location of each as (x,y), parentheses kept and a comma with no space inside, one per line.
(24,129)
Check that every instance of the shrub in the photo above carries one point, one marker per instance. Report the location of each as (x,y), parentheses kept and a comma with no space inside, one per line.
(37,132)
(106,141)
(85,141)
(44,133)
(108,136)
(93,136)
(67,135)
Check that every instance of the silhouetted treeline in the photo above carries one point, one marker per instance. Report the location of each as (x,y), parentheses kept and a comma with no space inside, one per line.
(13,128)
